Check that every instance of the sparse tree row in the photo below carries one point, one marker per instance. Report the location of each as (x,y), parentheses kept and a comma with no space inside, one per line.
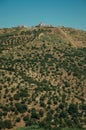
(42,80)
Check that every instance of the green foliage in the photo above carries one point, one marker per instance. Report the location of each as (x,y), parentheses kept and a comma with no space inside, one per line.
(42,79)
(21,107)
(18,119)
(5,124)
(73,109)
(34,114)
(16,96)
(33,127)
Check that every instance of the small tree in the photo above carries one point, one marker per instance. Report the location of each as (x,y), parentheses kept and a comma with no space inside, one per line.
(73,109)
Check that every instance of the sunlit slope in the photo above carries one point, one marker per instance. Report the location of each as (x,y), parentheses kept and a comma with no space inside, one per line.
(42,77)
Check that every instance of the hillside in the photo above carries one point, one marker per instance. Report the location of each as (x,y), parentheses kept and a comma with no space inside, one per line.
(42,77)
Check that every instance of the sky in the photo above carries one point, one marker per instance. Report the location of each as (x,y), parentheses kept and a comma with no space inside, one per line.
(68,13)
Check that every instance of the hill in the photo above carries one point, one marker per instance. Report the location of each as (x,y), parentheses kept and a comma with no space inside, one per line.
(42,77)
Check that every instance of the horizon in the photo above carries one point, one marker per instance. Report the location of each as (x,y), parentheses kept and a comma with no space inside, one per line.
(55,12)
(25,26)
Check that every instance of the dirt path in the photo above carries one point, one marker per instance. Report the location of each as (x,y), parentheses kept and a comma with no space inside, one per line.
(69,38)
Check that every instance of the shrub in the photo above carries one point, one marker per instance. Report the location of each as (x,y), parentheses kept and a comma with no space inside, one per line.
(7,124)
(21,107)
(73,109)
(18,119)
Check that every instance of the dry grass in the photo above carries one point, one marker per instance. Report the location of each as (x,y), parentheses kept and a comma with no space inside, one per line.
(42,69)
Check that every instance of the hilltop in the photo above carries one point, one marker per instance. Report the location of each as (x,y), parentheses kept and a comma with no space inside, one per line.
(42,77)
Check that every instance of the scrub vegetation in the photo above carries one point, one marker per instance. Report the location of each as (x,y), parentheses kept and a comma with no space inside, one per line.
(42,78)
